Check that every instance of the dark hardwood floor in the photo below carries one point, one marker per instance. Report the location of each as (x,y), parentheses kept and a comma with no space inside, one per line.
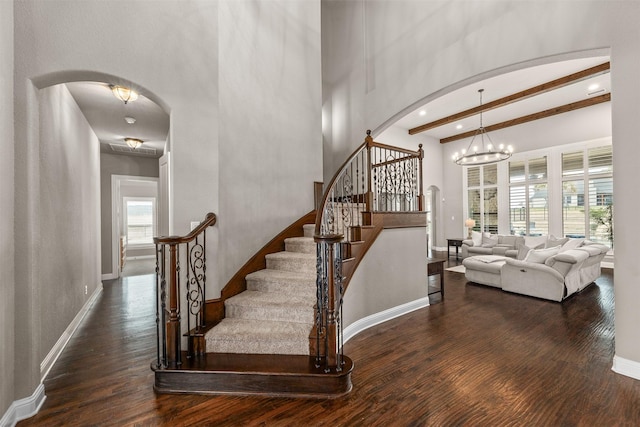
(482,357)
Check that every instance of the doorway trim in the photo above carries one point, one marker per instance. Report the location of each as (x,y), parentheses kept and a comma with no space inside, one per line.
(116,218)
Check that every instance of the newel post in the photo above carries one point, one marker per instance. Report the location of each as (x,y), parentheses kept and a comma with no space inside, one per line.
(421,204)
(173,323)
(369,196)
(329,283)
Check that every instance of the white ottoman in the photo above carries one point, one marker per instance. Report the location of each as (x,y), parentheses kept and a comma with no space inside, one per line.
(484,269)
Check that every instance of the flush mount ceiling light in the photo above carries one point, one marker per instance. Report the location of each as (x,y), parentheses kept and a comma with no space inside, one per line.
(124,94)
(133,142)
(130,120)
(479,154)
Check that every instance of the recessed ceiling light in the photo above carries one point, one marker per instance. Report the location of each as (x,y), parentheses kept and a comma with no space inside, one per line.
(130,120)
(423,112)
(459,126)
(593,87)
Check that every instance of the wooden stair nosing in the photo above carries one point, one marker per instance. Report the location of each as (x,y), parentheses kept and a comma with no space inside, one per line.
(254,374)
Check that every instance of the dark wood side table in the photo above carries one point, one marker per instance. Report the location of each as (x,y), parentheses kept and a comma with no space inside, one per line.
(436,266)
(457,243)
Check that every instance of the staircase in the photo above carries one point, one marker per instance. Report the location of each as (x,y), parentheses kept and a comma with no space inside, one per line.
(276,313)
(276,328)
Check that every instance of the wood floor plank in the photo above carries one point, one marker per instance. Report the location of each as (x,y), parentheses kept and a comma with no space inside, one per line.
(482,357)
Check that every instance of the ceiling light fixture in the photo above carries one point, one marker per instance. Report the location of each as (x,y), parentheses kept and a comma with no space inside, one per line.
(130,120)
(133,142)
(124,94)
(423,112)
(475,155)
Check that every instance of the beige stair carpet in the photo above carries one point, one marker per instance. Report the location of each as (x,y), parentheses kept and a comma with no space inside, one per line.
(275,314)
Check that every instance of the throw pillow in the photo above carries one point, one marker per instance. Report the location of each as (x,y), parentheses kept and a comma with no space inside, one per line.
(572,244)
(523,251)
(476,236)
(539,256)
(489,241)
(535,242)
(552,241)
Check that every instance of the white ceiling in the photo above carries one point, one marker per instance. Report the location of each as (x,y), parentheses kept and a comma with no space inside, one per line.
(508,84)
(105,114)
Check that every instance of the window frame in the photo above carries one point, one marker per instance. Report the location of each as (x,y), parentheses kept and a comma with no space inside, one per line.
(125,220)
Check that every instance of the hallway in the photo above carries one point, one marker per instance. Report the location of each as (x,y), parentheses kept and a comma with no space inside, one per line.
(481,357)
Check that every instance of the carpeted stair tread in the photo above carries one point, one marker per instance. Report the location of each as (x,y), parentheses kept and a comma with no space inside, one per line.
(259,337)
(289,282)
(270,306)
(254,298)
(309,230)
(292,261)
(300,244)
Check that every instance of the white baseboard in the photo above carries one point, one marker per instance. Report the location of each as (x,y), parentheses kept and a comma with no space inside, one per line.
(439,248)
(133,258)
(365,323)
(626,367)
(52,356)
(109,276)
(24,408)
(605,264)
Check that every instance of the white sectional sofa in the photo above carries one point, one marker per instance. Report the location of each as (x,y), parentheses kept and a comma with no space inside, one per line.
(487,244)
(552,273)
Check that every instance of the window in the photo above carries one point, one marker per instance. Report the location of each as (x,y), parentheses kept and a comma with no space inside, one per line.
(140,220)
(528,200)
(482,197)
(587,193)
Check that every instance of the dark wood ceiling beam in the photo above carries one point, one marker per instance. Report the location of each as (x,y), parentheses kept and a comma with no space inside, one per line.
(535,116)
(527,93)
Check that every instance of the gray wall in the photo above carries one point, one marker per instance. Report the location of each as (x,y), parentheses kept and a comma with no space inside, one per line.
(385,57)
(7,284)
(115,164)
(270,122)
(59,221)
(270,111)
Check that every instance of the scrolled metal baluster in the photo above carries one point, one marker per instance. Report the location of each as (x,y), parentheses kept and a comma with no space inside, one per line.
(163,305)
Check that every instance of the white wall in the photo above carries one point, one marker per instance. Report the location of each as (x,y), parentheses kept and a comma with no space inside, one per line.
(386,57)
(270,127)
(393,273)
(7,285)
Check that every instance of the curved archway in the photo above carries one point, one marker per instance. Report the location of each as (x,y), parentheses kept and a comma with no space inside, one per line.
(68,76)
(592,53)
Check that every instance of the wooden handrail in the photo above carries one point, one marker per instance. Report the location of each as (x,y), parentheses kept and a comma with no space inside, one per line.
(208,221)
(174,281)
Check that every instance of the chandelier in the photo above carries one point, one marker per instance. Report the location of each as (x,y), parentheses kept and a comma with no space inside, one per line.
(481,155)
(124,94)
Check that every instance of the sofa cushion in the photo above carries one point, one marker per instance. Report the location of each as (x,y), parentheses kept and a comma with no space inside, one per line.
(489,241)
(535,242)
(507,240)
(479,250)
(552,241)
(523,251)
(571,244)
(539,256)
(476,236)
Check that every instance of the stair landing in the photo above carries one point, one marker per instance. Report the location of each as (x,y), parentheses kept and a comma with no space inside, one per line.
(254,374)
